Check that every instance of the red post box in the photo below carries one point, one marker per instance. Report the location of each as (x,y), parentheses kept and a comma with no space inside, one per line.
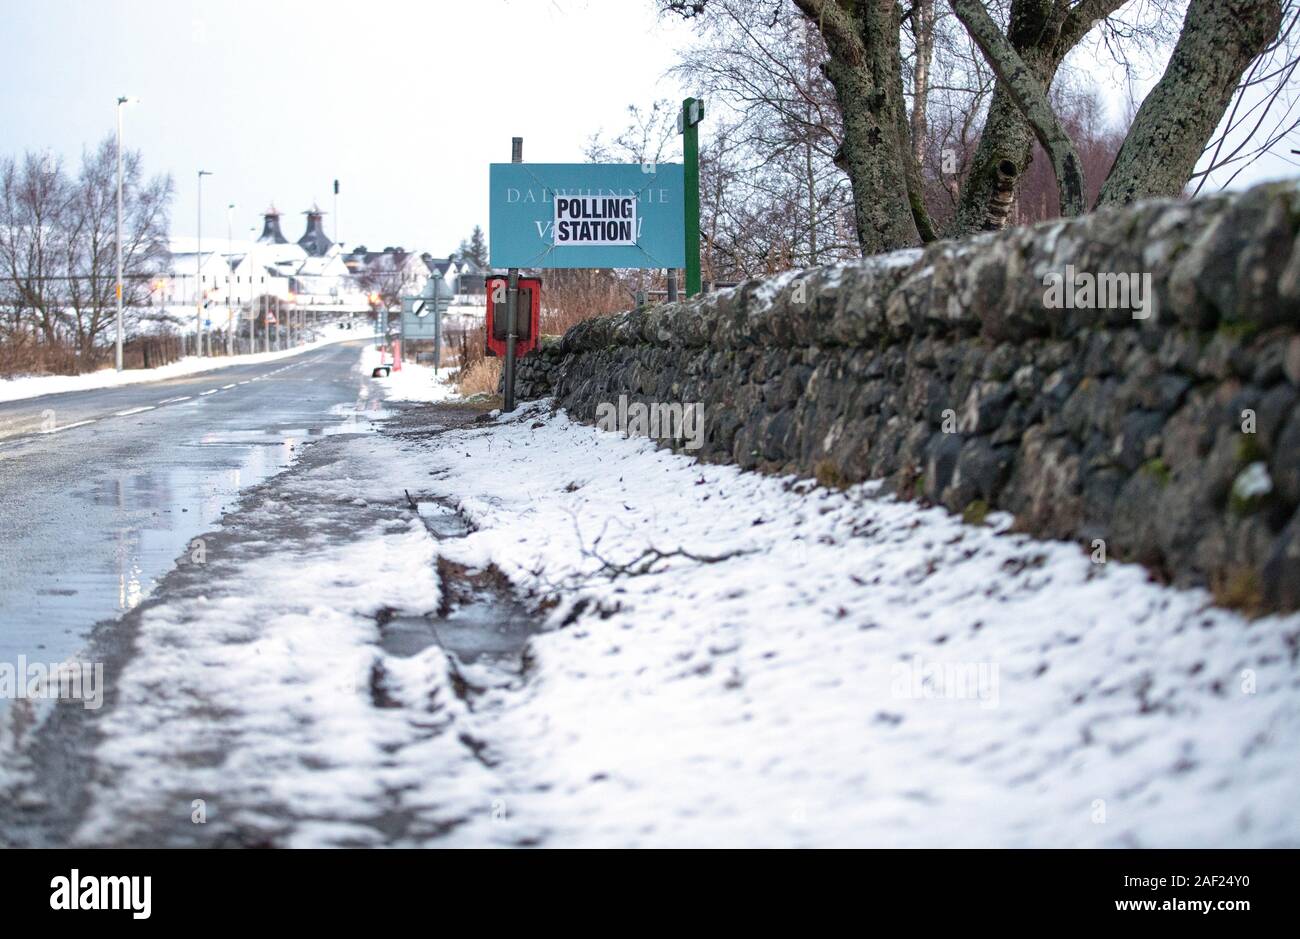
(529,317)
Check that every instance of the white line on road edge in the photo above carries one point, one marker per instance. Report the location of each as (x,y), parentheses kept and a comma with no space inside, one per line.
(244,382)
(130,411)
(225,387)
(59,430)
(174,400)
(210,391)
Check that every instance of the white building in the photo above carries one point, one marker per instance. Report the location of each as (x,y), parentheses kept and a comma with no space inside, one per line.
(393,270)
(182,287)
(311,274)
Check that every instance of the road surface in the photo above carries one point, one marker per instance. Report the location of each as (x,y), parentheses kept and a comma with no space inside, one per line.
(101,491)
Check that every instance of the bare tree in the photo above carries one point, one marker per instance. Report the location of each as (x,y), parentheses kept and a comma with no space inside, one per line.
(649,137)
(1081,112)
(58,246)
(35,203)
(90,263)
(771,193)
(876,51)
(923,33)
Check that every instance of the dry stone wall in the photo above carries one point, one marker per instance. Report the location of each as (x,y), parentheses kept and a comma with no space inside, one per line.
(988,375)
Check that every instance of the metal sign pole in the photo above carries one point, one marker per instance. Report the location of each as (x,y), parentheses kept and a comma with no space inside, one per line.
(687,122)
(512,300)
(437,335)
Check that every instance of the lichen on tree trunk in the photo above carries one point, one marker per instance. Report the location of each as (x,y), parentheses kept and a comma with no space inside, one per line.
(1041,32)
(1218,41)
(1023,86)
(864,69)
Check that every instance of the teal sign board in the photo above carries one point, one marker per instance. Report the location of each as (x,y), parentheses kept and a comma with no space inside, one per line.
(586,215)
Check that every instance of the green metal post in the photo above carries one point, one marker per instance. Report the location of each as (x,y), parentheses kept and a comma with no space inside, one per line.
(692,111)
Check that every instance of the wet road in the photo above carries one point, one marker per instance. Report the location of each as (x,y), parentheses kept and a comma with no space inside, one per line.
(101,491)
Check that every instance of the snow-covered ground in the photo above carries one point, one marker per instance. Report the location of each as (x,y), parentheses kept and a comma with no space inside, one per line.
(33,386)
(412,382)
(734,660)
(858,670)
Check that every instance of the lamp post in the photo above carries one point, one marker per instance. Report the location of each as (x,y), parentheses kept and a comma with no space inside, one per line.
(252,314)
(198,274)
(120,101)
(230,254)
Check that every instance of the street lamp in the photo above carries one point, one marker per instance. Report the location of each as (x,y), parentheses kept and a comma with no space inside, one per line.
(252,315)
(198,274)
(120,101)
(230,254)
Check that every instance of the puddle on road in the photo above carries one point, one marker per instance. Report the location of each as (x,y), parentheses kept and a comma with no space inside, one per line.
(480,621)
(132,525)
(102,550)
(443,522)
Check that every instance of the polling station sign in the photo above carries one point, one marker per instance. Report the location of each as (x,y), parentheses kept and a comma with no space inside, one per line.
(594,220)
(554,215)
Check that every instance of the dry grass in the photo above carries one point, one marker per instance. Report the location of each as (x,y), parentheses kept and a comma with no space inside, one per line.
(481,377)
(21,353)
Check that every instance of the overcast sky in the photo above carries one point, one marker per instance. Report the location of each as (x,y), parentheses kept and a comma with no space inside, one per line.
(405,102)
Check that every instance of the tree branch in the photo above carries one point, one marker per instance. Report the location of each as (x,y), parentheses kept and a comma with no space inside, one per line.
(1031,98)
(836,27)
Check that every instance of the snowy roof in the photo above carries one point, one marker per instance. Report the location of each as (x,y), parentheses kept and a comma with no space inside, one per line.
(441,265)
(183,263)
(331,266)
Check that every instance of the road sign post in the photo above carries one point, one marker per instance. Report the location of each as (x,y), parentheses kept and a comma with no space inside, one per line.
(687,124)
(437,339)
(512,301)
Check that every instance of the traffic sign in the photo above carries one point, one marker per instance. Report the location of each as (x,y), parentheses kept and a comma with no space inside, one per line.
(421,314)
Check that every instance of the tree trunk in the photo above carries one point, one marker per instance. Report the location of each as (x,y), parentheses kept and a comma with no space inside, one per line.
(1041,32)
(864,69)
(1219,40)
(918,126)
(923,30)
(1030,97)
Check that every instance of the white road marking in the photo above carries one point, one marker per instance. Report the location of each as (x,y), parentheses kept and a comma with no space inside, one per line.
(130,411)
(210,391)
(174,400)
(227,387)
(57,430)
(244,382)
